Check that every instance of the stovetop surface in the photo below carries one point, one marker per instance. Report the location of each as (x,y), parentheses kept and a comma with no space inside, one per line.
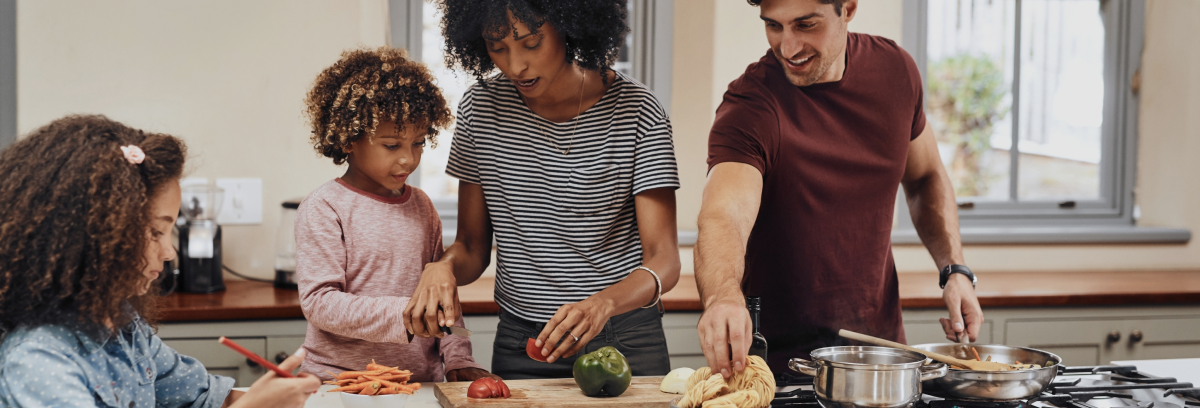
(1074,387)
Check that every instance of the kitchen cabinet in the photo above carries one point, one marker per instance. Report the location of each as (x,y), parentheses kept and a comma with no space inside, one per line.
(1087,335)
(271,339)
(1080,335)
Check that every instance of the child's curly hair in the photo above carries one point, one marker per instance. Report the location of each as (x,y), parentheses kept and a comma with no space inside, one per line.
(74,216)
(348,99)
(592,29)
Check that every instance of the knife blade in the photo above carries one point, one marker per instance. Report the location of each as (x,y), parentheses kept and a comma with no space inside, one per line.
(458,331)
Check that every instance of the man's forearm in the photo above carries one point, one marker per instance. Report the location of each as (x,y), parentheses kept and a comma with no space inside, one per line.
(719,258)
(935,216)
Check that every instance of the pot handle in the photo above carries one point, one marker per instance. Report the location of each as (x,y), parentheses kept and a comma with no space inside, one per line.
(805,367)
(931,371)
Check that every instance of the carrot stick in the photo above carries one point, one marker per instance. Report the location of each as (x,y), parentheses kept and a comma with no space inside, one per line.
(372,388)
(389,377)
(355,374)
(976,353)
(352,387)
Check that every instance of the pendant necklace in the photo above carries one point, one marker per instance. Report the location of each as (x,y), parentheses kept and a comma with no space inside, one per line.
(573,129)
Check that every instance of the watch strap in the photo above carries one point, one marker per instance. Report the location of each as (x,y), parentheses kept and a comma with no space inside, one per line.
(944,276)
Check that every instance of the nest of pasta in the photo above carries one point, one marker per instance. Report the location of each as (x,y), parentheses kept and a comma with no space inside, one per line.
(751,388)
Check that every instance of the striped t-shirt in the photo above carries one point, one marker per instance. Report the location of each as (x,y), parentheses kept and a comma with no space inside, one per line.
(565,226)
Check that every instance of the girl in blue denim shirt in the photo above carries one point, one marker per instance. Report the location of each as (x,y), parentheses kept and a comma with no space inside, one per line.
(86,211)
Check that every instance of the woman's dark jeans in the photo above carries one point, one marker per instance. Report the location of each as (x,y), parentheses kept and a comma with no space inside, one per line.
(637,334)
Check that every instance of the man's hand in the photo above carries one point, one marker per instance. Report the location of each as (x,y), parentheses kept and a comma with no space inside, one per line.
(469,374)
(725,330)
(965,315)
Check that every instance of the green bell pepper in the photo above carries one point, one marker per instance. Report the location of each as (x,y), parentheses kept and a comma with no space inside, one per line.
(603,371)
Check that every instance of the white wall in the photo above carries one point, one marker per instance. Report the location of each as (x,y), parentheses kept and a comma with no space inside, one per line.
(227,76)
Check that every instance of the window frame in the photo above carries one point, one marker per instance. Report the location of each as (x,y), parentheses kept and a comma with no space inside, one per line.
(651,24)
(1109,218)
(8,72)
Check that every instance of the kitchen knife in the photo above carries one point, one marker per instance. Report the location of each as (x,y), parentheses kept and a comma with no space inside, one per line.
(458,331)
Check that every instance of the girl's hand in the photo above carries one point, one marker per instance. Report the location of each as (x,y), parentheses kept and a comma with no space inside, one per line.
(434,303)
(583,320)
(271,390)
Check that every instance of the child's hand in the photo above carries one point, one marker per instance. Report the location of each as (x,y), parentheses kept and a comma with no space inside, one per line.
(469,374)
(271,390)
(434,304)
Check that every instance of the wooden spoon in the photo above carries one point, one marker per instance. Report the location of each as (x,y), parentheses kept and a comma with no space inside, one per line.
(969,364)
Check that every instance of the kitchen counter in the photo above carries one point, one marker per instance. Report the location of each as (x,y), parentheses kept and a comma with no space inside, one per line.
(245,300)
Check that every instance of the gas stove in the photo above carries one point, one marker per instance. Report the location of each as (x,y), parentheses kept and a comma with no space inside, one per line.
(1074,387)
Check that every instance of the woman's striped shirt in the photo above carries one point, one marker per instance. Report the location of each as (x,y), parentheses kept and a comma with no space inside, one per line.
(565,226)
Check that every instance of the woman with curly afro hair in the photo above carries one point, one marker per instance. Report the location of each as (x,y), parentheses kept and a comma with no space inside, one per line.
(87,206)
(571,167)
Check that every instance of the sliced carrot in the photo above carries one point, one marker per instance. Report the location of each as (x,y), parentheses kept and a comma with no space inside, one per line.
(976,353)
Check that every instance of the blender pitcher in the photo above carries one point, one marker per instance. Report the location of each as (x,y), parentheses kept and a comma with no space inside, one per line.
(285,247)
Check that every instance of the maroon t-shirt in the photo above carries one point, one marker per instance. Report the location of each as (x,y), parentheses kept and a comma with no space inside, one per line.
(831,155)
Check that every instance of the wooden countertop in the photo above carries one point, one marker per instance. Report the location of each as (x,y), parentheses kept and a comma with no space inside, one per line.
(245,300)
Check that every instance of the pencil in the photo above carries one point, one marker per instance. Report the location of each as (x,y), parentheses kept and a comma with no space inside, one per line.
(254,357)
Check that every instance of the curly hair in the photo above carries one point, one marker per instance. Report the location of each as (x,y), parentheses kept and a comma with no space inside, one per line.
(347,99)
(593,30)
(837,4)
(74,216)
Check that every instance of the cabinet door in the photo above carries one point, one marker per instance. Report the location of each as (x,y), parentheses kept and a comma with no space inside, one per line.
(1149,339)
(930,331)
(282,347)
(1078,342)
(221,360)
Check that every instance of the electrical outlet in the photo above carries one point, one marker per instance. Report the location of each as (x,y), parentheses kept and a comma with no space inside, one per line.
(243,201)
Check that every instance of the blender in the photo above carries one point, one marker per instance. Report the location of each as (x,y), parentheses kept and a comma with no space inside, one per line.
(285,247)
(200,240)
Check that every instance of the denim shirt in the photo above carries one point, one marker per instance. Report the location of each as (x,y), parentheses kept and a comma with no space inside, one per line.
(52,366)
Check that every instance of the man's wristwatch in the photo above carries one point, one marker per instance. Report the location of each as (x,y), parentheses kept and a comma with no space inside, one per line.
(952,269)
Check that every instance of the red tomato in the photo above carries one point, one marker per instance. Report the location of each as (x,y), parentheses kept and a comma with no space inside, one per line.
(479,389)
(492,386)
(534,351)
(504,388)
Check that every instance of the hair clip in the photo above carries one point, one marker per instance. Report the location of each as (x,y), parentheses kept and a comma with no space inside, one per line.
(133,154)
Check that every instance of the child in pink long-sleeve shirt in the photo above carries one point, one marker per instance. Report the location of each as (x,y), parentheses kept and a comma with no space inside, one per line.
(363,240)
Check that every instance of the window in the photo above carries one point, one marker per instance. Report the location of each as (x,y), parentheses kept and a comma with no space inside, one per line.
(8,72)
(1035,116)
(415,25)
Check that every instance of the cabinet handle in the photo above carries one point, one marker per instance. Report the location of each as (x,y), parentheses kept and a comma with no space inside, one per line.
(283,355)
(1135,336)
(1114,336)
(251,363)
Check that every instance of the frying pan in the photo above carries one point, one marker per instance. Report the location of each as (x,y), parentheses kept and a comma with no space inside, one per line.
(992,385)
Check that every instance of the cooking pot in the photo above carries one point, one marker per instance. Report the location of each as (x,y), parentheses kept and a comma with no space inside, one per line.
(864,376)
(992,385)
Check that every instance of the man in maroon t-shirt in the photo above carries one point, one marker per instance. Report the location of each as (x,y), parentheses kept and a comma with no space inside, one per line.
(805,156)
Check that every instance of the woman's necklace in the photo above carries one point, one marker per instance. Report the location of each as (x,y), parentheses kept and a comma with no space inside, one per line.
(573,129)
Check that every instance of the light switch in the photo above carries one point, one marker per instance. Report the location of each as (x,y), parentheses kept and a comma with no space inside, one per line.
(243,201)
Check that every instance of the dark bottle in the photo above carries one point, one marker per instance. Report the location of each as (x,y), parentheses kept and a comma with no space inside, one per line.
(758,343)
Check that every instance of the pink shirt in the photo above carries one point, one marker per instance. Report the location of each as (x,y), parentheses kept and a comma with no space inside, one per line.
(359,257)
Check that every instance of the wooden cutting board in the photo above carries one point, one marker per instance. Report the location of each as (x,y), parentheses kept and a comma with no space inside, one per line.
(642,393)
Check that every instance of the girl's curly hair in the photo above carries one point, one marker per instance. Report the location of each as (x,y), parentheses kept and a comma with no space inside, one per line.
(348,99)
(592,29)
(74,216)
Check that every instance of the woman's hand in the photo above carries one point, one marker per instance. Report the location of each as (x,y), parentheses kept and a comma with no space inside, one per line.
(271,390)
(434,304)
(575,324)
(469,374)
